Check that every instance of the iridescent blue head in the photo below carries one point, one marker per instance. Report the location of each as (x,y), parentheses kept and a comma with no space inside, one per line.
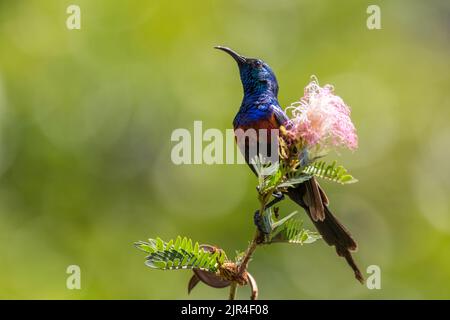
(256,75)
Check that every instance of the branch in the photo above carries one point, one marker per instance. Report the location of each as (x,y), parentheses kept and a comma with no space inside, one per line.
(233,289)
(248,254)
(253,286)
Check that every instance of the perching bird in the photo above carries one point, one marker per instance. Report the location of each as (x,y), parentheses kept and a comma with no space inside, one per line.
(260,110)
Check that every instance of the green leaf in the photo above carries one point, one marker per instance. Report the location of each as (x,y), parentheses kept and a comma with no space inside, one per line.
(156,264)
(180,254)
(269,175)
(143,246)
(195,250)
(330,172)
(280,222)
(222,257)
(199,258)
(189,246)
(213,259)
(291,182)
(185,260)
(289,230)
(177,243)
(159,244)
(183,243)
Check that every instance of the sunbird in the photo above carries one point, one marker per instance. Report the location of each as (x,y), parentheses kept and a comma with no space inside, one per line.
(260,110)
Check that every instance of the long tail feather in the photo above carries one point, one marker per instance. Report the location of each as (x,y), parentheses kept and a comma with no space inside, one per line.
(332,231)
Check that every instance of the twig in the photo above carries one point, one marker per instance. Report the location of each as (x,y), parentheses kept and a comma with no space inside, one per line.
(253,286)
(233,289)
(248,254)
(242,269)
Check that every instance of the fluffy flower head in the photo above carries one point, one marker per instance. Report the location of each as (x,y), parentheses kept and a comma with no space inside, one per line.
(321,120)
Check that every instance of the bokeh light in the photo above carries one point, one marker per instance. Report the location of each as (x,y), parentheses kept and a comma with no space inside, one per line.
(86,118)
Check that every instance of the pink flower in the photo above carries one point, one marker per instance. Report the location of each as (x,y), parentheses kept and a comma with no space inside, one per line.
(321,120)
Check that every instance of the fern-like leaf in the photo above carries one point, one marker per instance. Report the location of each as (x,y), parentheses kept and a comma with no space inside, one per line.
(330,172)
(291,231)
(180,253)
(288,230)
(294,180)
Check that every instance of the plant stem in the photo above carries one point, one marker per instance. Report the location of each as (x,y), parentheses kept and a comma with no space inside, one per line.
(253,244)
(242,268)
(233,289)
(248,254)
(253,286)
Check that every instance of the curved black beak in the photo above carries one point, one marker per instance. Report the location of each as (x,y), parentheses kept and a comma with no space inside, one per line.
(236,56)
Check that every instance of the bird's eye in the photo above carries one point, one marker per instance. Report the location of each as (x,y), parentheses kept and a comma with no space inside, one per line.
(258,63)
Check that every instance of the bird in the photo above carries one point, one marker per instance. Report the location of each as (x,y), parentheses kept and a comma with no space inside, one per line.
(260,109)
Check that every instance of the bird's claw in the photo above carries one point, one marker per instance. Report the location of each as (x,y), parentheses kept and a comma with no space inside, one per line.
(259,223)
(278,195)
(263,223)
(257,220)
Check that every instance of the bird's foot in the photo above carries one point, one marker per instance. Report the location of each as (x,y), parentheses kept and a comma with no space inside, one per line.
(278,196)
(263,223)
(259,223)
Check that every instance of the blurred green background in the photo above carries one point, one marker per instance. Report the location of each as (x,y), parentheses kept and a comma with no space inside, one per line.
(85,123)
